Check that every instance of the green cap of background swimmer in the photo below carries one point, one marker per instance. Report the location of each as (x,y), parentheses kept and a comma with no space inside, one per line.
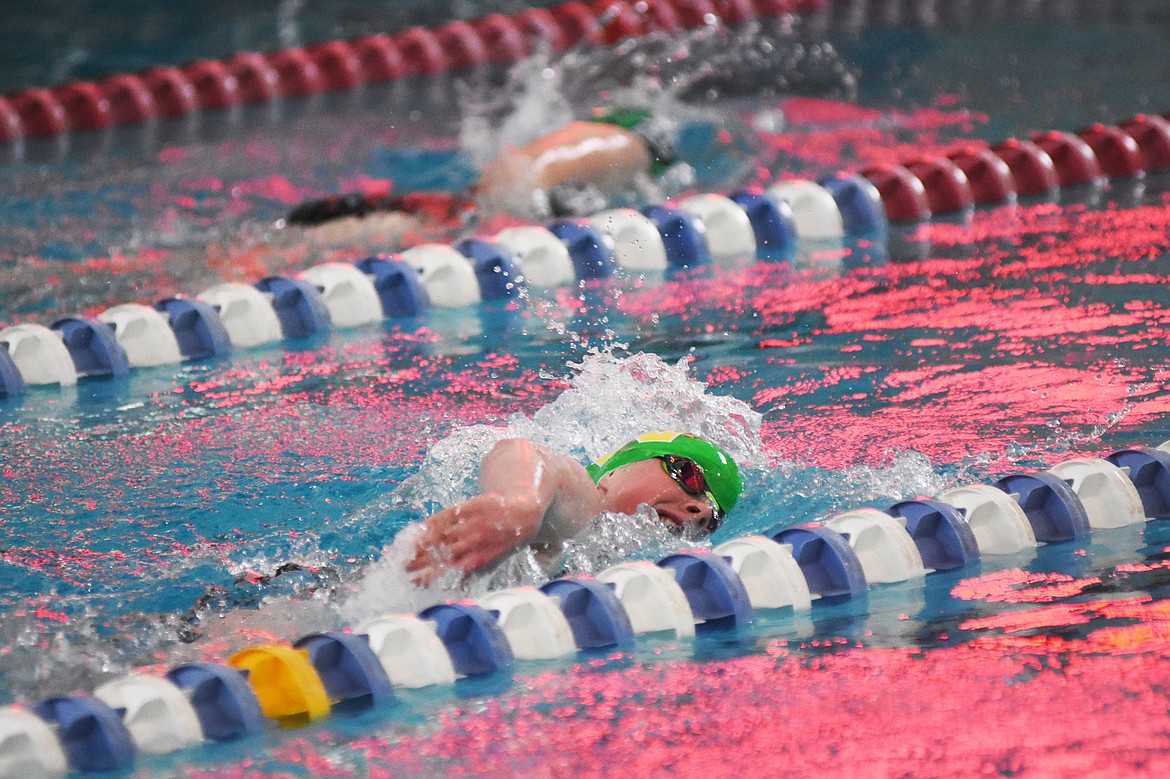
(655,131)
(718,468)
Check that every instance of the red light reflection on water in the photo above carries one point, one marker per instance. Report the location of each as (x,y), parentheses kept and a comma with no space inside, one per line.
(821,134)
(1016,586)
(1016,699)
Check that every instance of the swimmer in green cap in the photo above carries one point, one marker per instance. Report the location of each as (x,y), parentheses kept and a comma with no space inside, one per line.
(531,495)
(572,170)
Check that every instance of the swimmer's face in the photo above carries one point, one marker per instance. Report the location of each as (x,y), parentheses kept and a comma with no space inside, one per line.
(646,481)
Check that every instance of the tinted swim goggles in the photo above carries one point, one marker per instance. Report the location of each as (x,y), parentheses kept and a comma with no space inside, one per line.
(690,477)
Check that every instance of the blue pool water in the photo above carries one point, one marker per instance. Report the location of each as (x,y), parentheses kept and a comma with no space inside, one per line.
(139,513)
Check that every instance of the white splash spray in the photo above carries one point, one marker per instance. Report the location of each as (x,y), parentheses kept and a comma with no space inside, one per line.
(611,400)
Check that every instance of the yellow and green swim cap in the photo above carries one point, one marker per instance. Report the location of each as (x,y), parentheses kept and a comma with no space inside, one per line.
(719,470)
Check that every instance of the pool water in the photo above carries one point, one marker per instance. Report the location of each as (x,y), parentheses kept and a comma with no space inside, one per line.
(140,514)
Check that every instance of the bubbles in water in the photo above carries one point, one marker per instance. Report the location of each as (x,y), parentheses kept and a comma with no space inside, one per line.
(792,493)
(614,538)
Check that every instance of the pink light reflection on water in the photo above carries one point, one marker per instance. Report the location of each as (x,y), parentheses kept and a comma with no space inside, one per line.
(1032,706)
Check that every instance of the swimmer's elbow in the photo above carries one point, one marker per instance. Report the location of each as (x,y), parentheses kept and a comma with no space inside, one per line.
(512,450)
(513,466)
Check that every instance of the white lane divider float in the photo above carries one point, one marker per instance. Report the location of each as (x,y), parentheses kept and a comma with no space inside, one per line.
(447,276)
(729,230)
(999,524)
(544,259)
(157,714)
(39,354)
(1109,496)
(638,245)
(144,333)
(815,211)
(246,313)
(886,551)
(533,622)
(348,293)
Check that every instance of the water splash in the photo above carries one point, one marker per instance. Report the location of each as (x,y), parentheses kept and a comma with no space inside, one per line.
(686,73)
(792,493)
(610,400)
(614,538)
(684,80)
(531,103)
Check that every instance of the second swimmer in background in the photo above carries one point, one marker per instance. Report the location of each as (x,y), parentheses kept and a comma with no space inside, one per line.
(574,170)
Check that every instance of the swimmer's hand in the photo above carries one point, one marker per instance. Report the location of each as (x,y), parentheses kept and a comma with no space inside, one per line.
(473,534)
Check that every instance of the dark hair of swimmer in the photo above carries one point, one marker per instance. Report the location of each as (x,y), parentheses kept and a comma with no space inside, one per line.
(437,206)
(570,197)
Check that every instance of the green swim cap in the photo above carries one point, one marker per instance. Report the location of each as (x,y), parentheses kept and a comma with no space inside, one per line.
(656,132)
(719,470)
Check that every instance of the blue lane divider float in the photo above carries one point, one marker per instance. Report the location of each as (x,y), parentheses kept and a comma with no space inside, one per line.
(93,347)
(1149,470)
(828,563)
(349,669)
(590,249)
(717,597)
(198,329)
(472,637)
(1050,504)
(496,268)
(91,733)
(398,286)
(11,382)
(298,305)
(683,236)
(594,613)
(225,704)
(860,203)
(943,538)
(337,672)
(772,222)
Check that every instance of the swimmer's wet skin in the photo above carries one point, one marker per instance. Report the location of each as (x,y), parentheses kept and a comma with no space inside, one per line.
(532,495)
(571,171)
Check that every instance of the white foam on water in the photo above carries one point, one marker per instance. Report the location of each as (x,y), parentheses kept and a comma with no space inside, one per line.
(530,104)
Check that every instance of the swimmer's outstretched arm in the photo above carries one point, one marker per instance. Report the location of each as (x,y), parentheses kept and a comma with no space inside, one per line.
(528,495)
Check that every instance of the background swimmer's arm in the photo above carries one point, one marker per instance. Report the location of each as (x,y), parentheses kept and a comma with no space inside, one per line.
(528,495)
(607,156)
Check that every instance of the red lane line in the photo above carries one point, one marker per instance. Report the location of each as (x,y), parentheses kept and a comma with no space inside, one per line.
(168,90)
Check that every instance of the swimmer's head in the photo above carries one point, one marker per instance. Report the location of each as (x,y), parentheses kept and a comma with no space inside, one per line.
(698,466)
(655,131)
